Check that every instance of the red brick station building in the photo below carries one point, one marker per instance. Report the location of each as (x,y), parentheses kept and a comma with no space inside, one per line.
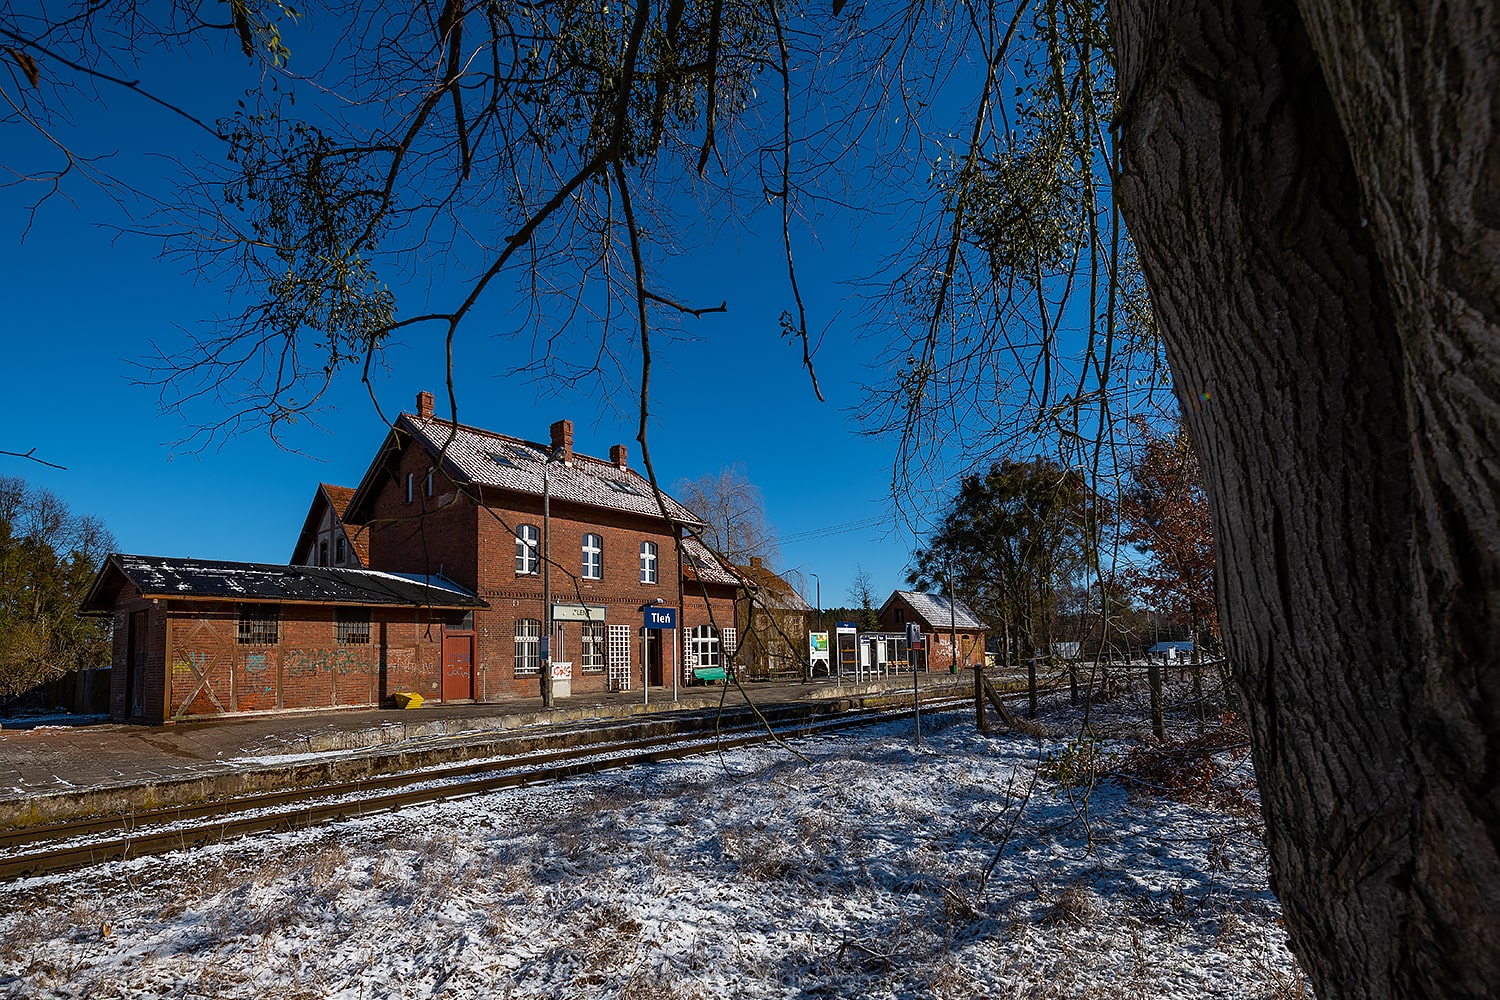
(429,577)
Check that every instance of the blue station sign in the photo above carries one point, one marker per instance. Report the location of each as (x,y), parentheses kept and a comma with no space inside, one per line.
(661,618)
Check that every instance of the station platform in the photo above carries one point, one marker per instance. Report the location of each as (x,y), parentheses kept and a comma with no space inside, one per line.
(50,771)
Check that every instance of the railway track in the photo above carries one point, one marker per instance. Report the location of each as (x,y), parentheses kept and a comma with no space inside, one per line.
(68,846)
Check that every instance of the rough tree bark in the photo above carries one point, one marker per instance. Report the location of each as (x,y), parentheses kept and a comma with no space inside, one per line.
(1315,189)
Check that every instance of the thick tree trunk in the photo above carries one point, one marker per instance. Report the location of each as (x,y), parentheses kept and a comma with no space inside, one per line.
(1316,204)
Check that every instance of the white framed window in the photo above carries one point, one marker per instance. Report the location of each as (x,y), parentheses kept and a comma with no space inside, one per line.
(731,641)
(528,647)
(703,646)
(648,562)
(528,555)
(591,648)
(593,557)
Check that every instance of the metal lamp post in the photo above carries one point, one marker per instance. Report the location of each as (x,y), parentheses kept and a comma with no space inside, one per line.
(548,699)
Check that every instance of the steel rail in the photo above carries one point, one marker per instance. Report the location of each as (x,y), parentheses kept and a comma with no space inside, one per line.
(500,775)
(130,822)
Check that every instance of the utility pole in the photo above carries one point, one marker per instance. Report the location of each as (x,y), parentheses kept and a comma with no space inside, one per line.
(548,701)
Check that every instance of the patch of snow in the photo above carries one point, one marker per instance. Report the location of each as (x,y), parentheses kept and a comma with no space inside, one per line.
(851,868)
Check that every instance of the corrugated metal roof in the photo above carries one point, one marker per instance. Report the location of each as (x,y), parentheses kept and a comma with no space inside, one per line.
(497,460)
(166,577)
(937,610)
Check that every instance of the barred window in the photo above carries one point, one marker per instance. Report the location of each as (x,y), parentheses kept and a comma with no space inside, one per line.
(591,648)
(352,626)
(648,562)
(528,558)
(259,625)
(528,647)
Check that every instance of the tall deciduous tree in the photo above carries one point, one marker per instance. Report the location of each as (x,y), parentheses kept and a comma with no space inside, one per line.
(734,513)
(1164,513)
(48,556)
(1012,539)
(1313,187)
(1311,184)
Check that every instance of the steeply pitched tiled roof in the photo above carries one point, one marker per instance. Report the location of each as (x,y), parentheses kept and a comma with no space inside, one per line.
(359,538)
(485,458)
(772,591)
(338,496)
(699,563)
(178,579)
(936,610)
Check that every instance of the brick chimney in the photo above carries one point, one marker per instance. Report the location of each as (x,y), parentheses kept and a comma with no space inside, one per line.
(424,404)
(562,440)
(617,455)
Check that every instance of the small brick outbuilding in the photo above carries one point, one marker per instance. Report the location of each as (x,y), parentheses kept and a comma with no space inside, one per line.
(942,622)
(196,638)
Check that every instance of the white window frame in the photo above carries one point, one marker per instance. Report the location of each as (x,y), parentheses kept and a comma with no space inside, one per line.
(704,647)
(648,562)
(528,550)
(591,647)
(528,634)
(593,557)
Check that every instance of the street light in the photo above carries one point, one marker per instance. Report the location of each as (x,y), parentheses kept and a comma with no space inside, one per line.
(548,699)
(818,583)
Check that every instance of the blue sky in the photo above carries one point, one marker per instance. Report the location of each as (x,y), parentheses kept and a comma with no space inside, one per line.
(84,303)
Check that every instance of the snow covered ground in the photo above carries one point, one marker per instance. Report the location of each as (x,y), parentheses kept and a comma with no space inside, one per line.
(856,869)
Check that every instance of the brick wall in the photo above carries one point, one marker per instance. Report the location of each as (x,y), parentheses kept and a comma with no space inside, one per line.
(470,533)
(152,669)
(940,651)
(307,668)
(430,534)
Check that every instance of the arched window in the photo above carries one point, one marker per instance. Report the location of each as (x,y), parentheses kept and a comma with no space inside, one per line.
(528,557)
(593,557)
(427,488)
(528,647)
(648,562)
(703,646)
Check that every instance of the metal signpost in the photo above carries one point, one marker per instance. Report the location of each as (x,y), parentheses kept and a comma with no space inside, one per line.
(657,618)
(913,642)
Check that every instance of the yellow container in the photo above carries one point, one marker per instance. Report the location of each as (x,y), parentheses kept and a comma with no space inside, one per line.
(408,699)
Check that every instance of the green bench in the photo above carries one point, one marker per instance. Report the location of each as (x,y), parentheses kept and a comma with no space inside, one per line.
(709,675)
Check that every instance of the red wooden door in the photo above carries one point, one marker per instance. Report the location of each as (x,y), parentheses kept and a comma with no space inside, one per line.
(458,667)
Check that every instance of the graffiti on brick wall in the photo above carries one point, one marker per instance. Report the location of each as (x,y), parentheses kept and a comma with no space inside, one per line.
(312,662)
